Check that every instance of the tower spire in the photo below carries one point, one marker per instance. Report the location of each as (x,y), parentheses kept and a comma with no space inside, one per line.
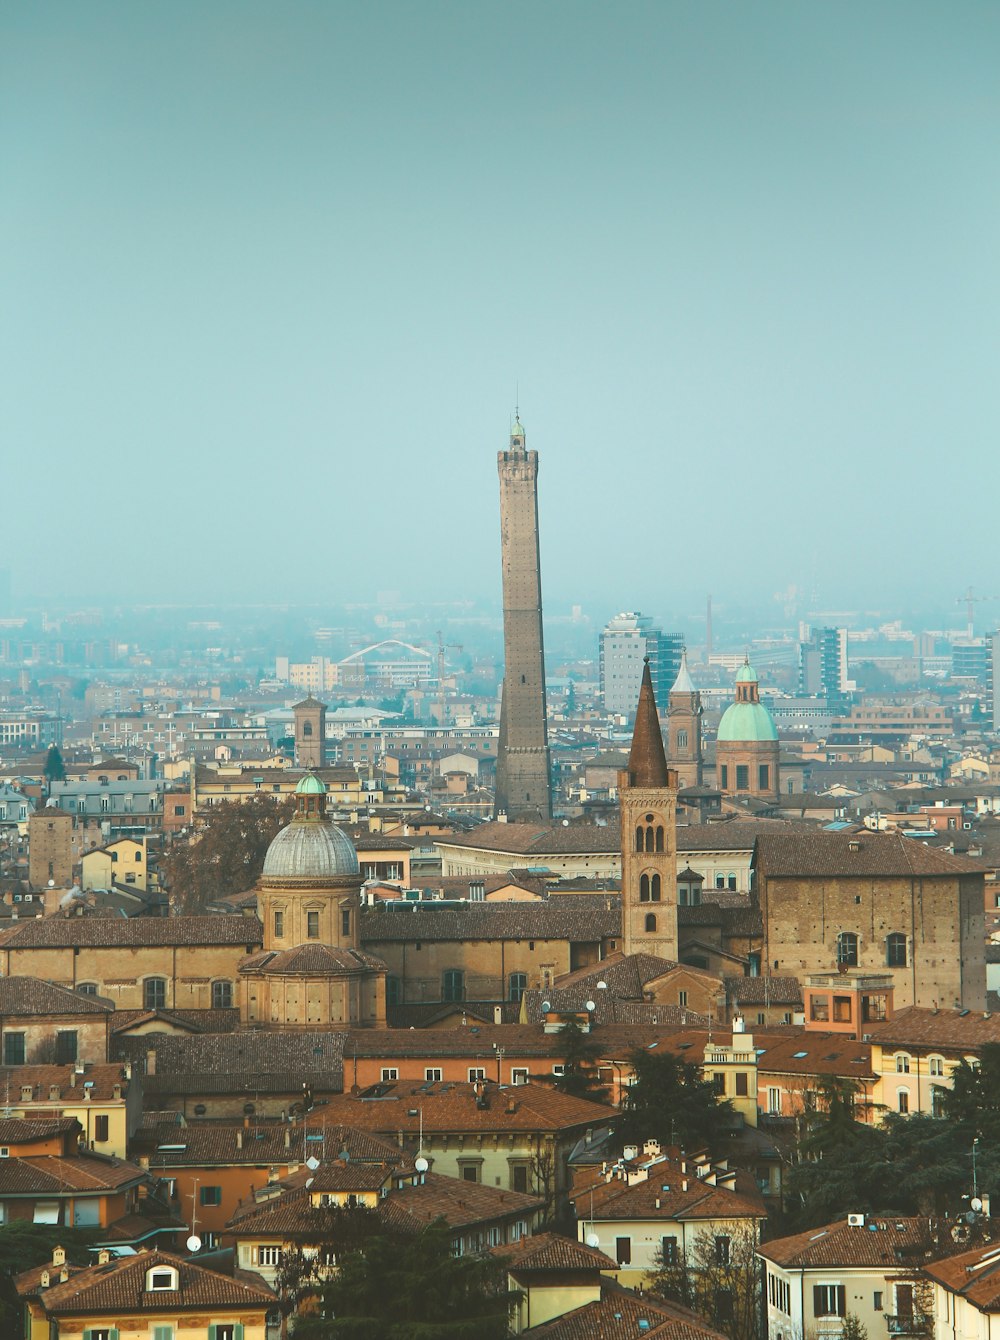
(647,763)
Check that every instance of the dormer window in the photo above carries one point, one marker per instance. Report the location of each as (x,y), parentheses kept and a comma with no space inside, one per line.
(160,1279)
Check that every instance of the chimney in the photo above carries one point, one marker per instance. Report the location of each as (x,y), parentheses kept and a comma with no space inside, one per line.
(150,1062)
(272,1176)
(239,1139)
(58,1256)
(44,1281)
(53,1093)
(103,1256)
(116,1092)
(498,1014)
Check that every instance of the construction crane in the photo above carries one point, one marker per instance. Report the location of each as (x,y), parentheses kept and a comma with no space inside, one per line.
(970,600)
(442,646)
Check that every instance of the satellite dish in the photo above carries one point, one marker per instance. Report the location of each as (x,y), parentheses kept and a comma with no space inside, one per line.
(546,1005)
(312,1163)
(591,1005)
(976,1204)
(593,1240)
(421,1164)
(194,1243)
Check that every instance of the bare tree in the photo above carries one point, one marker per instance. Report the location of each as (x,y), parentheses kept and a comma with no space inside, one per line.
(719,1278)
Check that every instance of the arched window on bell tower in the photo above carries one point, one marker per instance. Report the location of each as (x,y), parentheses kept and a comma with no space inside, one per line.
(654,889)
(644,888)
(651,923)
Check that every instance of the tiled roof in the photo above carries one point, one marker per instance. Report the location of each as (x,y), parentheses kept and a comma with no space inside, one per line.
(974,1274)
(412,1207)
(878,855)
(119,1289)
(537,839)
(221,1063)
(194,1021)
(32,995)
(426,1015)
(316,960)
(552,1251)
(580,917)
(763,990)
(617,1316)
(883,1240)
(100,1079)
(609,1011)
(23,1131)
(118,932)
(917,1026)
(54,1175)
(206,1145)
(663,1196)
(624,974)
(809,1053)
(478,1041)
(734,835)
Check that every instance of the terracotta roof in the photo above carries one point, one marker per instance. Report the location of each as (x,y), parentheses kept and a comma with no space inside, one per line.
(193,1021)
(763,990)
(412,1207)
(728,835)
(552,1251)
(527,839)
(809,1053)
(205,1145)
(883,1240)
(24,1131)
(663,1196)
(100,1078)
(811,854)
(32,995)
(55,1175)
(974,1274)
(587,917)
(625,974)
(617,1316)
(427,1014)
(119,1289)
(226,1062)
(116,932)
(917,1026)
(311,960)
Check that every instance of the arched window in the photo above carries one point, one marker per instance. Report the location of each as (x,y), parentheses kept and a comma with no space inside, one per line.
(659,838)
(154,993)
(639,839)
(903,1101)
(847,949)
(307,728)
(517,985)
(643,888)
(895,950)
(393,991)
(453,984)
(902,1063)
(161,1278)
(649,837)
(651,923)
(222,995)
(654,889)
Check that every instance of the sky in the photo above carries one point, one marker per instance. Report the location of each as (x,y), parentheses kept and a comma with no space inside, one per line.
(273,275)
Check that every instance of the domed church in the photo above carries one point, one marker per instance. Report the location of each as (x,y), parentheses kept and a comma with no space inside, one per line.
(746,750)
(310,973)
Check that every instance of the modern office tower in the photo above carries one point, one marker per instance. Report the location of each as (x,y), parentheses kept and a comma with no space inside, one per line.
(823,669)
(523,785)
(625,643)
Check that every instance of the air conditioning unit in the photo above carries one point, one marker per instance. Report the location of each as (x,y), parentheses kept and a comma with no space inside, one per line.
(856,1220)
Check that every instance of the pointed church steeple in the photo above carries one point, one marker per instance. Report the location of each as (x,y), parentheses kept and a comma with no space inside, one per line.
(647,763)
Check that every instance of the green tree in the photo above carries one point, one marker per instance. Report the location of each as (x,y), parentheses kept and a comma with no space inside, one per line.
(24,1245)
(414,1289)
(54,769)
(671,1101)
(580,1055)
(226,853)
(853,1328)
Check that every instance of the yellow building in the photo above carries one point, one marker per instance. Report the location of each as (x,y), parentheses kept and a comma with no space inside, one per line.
(137,1297)
(915,1053)
(238,782)
(121,862)
(104,1099)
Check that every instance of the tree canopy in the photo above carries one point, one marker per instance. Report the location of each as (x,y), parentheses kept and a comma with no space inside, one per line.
(579,1076)
(672,1102)
(54,769)
(226,853)
(411,1289)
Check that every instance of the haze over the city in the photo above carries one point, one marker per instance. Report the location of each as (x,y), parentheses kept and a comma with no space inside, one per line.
(274,276)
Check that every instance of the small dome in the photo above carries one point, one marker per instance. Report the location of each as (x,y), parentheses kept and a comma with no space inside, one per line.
(310,786)
(746,674)
(746,722)
(310,851)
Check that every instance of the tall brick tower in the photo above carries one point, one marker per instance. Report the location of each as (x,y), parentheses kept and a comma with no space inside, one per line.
(523,788)
(310,733)
(647,795)
(684,728)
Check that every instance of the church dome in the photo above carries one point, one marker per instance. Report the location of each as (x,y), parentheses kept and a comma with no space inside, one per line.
(746,674)
(310,847)
(746,722)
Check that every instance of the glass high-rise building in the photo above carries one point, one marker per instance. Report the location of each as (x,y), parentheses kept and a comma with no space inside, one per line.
(626,641)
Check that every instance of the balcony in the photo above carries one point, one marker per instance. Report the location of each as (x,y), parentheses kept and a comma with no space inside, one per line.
(909,1323)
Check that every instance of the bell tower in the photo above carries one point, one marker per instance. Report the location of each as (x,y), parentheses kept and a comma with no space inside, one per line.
(310,733)
(684,728)
(647,795)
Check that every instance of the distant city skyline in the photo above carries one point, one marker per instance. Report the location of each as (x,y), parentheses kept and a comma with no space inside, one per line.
(274,275)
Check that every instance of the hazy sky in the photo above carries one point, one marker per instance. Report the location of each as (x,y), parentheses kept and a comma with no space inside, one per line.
(269,274)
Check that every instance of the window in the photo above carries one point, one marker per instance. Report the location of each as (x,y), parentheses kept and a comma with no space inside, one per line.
(682,739)
(722,1249)
(902,1064)
(312,925)
(774,1102)
(389,1073)
(935,1065)
(476,1072)
(742,1086)
(724,777)
(651,924)
(764,777)
(720,881)
(643,888)
(269,1256)
(163,1333)
(519,1177)
(453,984)
(345,921)
(659,840)
(518,1075)
(393,991)
(877,1300)
(517,984)
(895,950)
(847,949)
(279,924)
(210,1195)
(222,995)
(432,1074)
(829,1300)
(903,1101)
(668,1251)
(160,1278)
(742,777)
(154,993)
(623,1251)
(87,988)
(682,999)
(654,889)
(779,1294)
(101,1128)
(470,1172)
(13,1049)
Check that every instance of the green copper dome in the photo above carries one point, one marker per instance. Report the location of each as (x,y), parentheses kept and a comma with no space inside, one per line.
(746,721)
(746,674)
(310,786)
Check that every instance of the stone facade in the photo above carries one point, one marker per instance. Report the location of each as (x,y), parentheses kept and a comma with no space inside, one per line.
(523,786)
(310,733)
(50,848)
(683,742)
